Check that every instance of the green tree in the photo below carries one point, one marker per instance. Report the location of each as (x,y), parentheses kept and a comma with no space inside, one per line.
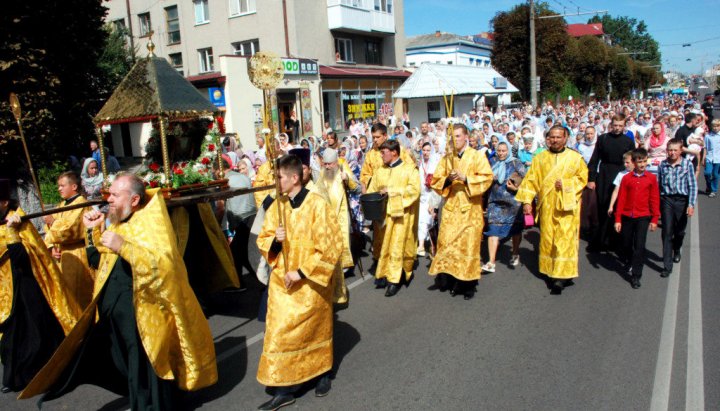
(116,59)
(632,35)
(587,65)
(512,47)
(49,58)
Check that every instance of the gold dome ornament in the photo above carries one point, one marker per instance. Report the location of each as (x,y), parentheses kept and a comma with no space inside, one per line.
(266,70)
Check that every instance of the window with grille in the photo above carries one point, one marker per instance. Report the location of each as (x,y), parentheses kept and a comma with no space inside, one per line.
(173,24)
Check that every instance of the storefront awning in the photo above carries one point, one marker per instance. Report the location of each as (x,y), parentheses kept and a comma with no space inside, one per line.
(436,80)
(207,79)
(385,72)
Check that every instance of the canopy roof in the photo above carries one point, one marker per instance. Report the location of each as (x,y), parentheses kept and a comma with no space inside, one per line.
(153,88)
(434,80)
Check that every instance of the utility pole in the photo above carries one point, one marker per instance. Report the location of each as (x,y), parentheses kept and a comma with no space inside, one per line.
(533,62)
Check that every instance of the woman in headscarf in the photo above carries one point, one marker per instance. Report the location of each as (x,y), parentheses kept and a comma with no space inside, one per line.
(245,167)
(656,145)
(92,178)
(351,160)
(504,213)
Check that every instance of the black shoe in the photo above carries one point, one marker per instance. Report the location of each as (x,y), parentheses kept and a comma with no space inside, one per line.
(677,257)
(635,283)
(469,293)
(665,273)
(277,402)
(5,389)
(556,287)
(323,386)
(392,289)
(381,283)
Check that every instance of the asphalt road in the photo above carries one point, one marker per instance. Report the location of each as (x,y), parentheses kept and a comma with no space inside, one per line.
(599,346)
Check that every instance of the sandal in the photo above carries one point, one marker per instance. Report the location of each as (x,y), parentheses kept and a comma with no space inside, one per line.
(489,267)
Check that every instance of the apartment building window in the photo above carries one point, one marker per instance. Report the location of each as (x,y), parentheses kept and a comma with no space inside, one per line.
(119,24)
(145,25)
(206,59)
(372,53)
(173,24)
(246,48)
(384,5)
(202,12)
(240,7)
(177,62)
(343,50)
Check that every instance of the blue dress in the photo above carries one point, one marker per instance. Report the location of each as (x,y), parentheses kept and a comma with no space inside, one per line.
(504,214)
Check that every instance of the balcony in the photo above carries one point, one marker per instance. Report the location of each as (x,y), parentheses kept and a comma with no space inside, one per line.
(359,16)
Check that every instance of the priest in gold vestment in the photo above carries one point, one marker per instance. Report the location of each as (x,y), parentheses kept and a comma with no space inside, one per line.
(36,312)
(143,334)
(65,237)
(336,180)
(461,179)
(373,162)
(557,179)
(303,254)
(398,233)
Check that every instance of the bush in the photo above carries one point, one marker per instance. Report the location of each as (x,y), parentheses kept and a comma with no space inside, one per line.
(47,178)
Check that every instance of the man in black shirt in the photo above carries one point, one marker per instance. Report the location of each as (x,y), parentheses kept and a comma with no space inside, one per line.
(606,162)
(686,129)
(707,108)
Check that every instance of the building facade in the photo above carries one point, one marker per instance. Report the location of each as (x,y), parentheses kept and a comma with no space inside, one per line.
(355,46)
(448,48)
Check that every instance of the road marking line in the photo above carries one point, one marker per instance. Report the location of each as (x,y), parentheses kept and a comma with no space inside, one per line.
(695,383)
(663,368)
(259,336)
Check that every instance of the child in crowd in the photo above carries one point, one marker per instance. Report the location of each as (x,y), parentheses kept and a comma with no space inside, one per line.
(628,163)
(638,207)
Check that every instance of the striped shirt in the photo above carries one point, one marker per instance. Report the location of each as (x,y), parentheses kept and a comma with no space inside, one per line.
(678,179)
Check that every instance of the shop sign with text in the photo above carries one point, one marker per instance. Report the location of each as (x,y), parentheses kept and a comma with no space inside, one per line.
(300,66)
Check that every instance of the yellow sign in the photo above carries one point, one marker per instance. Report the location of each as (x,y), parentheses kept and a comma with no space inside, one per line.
(361,110)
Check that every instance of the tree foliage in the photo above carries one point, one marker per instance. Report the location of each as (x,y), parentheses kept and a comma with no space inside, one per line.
(631,35)
(574,66)
(511,50)
(54,57)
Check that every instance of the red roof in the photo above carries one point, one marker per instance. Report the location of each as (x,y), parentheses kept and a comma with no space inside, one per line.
(336,71)
(579,30)
(210,78)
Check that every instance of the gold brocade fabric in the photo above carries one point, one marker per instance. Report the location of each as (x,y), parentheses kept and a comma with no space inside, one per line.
(67,233)
(172,327)
(46,272)
(398,235)
(461,228)
(298,334)
(264,177)
(334,192)
(558,210)
(374,162)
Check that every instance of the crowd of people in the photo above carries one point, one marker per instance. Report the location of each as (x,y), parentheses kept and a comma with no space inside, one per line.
(109,288)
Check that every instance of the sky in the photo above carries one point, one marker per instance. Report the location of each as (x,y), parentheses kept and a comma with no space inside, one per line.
(668,22)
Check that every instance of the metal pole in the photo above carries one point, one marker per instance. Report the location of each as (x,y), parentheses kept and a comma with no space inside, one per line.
(17,113)
(533,62)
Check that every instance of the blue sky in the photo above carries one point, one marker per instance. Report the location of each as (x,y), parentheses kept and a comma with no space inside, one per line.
(668,21)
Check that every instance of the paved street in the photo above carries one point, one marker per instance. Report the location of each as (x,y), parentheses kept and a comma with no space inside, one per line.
(599,346)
